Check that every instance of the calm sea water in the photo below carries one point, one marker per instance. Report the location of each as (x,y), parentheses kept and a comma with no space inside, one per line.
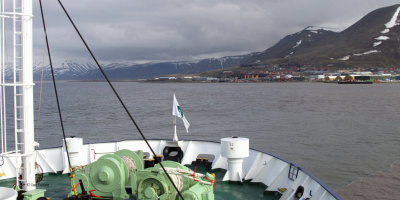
(338,132)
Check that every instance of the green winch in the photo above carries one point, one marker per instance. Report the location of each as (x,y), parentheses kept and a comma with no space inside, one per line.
(122,175)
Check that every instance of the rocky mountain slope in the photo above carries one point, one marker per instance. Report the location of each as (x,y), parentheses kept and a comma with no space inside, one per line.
(291,44)
(373,41)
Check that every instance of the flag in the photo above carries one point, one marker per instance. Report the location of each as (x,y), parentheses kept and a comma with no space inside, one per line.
(177,111)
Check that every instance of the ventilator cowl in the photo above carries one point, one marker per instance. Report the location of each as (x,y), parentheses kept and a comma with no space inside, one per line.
(235,149)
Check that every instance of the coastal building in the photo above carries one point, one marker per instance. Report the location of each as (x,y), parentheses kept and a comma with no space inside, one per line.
(167,78)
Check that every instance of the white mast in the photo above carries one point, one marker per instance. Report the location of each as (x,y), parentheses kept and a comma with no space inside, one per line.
(22,84)
(27,81)
(2,87)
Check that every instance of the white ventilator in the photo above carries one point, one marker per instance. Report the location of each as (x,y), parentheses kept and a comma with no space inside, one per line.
(75,146)
(235,149)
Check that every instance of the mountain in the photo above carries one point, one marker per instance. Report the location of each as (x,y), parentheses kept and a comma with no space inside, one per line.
(291,44)
(77,71)
(373,41)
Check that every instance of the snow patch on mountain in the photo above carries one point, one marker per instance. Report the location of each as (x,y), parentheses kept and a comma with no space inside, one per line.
(315,29)
(382,38)
(386,30)
(358,54)
(291,53)
(393,21)
(377,43)
(345,58)
(297,44)
(366,53)
(294,47)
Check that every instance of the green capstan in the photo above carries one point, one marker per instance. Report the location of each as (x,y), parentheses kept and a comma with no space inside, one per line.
(122,175)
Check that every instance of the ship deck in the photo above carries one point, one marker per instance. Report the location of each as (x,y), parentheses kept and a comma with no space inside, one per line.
(265,174)
(58,186)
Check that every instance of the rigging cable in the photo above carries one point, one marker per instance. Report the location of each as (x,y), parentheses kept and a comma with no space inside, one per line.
(40,101)
(41,90)
(119,98)
(56,93)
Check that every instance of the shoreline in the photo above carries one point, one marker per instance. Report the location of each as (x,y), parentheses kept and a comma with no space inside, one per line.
(216,82)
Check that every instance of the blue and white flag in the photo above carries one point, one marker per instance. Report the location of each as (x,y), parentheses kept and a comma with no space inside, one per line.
(177,111)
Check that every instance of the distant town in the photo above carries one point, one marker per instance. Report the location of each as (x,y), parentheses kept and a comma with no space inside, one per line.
(273,73)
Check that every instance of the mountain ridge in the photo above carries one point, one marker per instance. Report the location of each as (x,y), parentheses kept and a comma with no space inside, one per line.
(363,44)
(71,70)
(372,41)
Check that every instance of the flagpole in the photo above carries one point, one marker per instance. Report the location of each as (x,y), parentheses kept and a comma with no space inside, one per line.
(175,134)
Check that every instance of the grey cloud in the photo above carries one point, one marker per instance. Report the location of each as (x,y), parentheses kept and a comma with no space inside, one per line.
(182,30)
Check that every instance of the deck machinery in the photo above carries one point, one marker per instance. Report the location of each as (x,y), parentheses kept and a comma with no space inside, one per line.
(122,175)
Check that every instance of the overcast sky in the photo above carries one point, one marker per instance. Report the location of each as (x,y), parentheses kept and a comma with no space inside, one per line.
(166,30)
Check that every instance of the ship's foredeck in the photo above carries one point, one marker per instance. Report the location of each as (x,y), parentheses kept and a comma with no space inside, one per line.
(58,186)
(265,174)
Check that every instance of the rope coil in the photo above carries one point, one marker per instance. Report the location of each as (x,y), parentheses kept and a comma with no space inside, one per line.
(177,180)
(184,171)
(188,174)
(129,162)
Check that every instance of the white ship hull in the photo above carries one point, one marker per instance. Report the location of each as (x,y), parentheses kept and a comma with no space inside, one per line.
(259,167)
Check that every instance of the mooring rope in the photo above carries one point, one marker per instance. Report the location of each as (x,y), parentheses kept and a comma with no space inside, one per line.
(129,162)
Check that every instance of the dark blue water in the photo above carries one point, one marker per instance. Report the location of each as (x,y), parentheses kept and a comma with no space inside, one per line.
(338,132)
